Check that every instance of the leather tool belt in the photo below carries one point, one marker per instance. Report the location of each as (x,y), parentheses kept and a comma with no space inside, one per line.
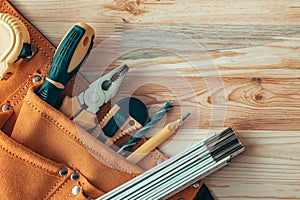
(43,154)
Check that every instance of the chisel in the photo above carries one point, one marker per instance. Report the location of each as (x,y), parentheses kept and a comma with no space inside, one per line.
(68,58)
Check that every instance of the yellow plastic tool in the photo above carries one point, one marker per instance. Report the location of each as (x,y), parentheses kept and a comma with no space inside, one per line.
(13,36)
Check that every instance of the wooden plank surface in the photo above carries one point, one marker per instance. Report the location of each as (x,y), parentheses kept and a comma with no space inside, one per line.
(231,63)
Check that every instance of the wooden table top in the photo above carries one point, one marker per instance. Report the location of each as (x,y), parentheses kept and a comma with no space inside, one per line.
(229,63)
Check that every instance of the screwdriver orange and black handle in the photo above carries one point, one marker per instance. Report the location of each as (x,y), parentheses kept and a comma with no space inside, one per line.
(68,58)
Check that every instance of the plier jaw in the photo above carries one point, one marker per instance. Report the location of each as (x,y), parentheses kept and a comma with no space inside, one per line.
(103,89)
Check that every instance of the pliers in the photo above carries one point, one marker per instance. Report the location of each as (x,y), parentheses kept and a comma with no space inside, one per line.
(103,89)
(84,107)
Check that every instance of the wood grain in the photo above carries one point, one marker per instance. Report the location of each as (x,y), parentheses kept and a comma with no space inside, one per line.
(242,70)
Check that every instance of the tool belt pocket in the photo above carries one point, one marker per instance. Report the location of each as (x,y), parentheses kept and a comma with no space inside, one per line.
(50,133)
(28,175)
(56,139)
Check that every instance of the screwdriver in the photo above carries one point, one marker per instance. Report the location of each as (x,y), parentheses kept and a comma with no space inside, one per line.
(68,58)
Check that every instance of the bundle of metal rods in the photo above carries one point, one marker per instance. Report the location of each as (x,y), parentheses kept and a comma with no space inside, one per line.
(182,169)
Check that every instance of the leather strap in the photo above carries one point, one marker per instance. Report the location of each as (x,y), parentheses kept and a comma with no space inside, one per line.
(15,88)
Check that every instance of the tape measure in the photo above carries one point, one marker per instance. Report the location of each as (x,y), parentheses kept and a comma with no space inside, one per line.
(15,45)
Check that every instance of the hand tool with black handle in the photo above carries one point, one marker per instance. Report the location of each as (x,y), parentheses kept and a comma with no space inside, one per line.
(68,58)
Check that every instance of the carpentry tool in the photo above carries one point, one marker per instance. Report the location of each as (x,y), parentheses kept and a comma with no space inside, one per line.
(83,108)
(137,136)
(156,140)
(127,115)
(68,58)
(181,170)
(15,45)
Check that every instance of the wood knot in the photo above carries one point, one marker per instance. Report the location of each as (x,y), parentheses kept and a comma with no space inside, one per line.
(258,97)
(256,80)
(125,20)
(131,6)
(209,100)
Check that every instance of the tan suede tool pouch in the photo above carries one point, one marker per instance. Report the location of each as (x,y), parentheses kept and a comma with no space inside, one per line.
(44,155)
(27,175)
(47,131)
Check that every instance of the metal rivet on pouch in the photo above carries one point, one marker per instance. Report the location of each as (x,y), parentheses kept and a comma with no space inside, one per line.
(36,78)
(75,176)
(5,108)
(195,185)
(63,171)
(75,190)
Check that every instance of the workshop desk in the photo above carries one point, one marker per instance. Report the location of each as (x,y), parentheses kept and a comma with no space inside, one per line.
(253,57)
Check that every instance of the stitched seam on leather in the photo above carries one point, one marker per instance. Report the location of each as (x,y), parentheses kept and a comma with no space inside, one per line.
(53,121)
(69,194)
(34,31)
(76,139)
(57,190)
(110,162)
(52,190)
(29,162)
(18,93)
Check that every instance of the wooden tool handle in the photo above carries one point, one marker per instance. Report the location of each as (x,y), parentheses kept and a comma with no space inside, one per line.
(151,144)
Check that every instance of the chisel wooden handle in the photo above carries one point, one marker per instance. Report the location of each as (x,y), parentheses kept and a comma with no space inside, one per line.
(69,57)
(151,144)
(157,139)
